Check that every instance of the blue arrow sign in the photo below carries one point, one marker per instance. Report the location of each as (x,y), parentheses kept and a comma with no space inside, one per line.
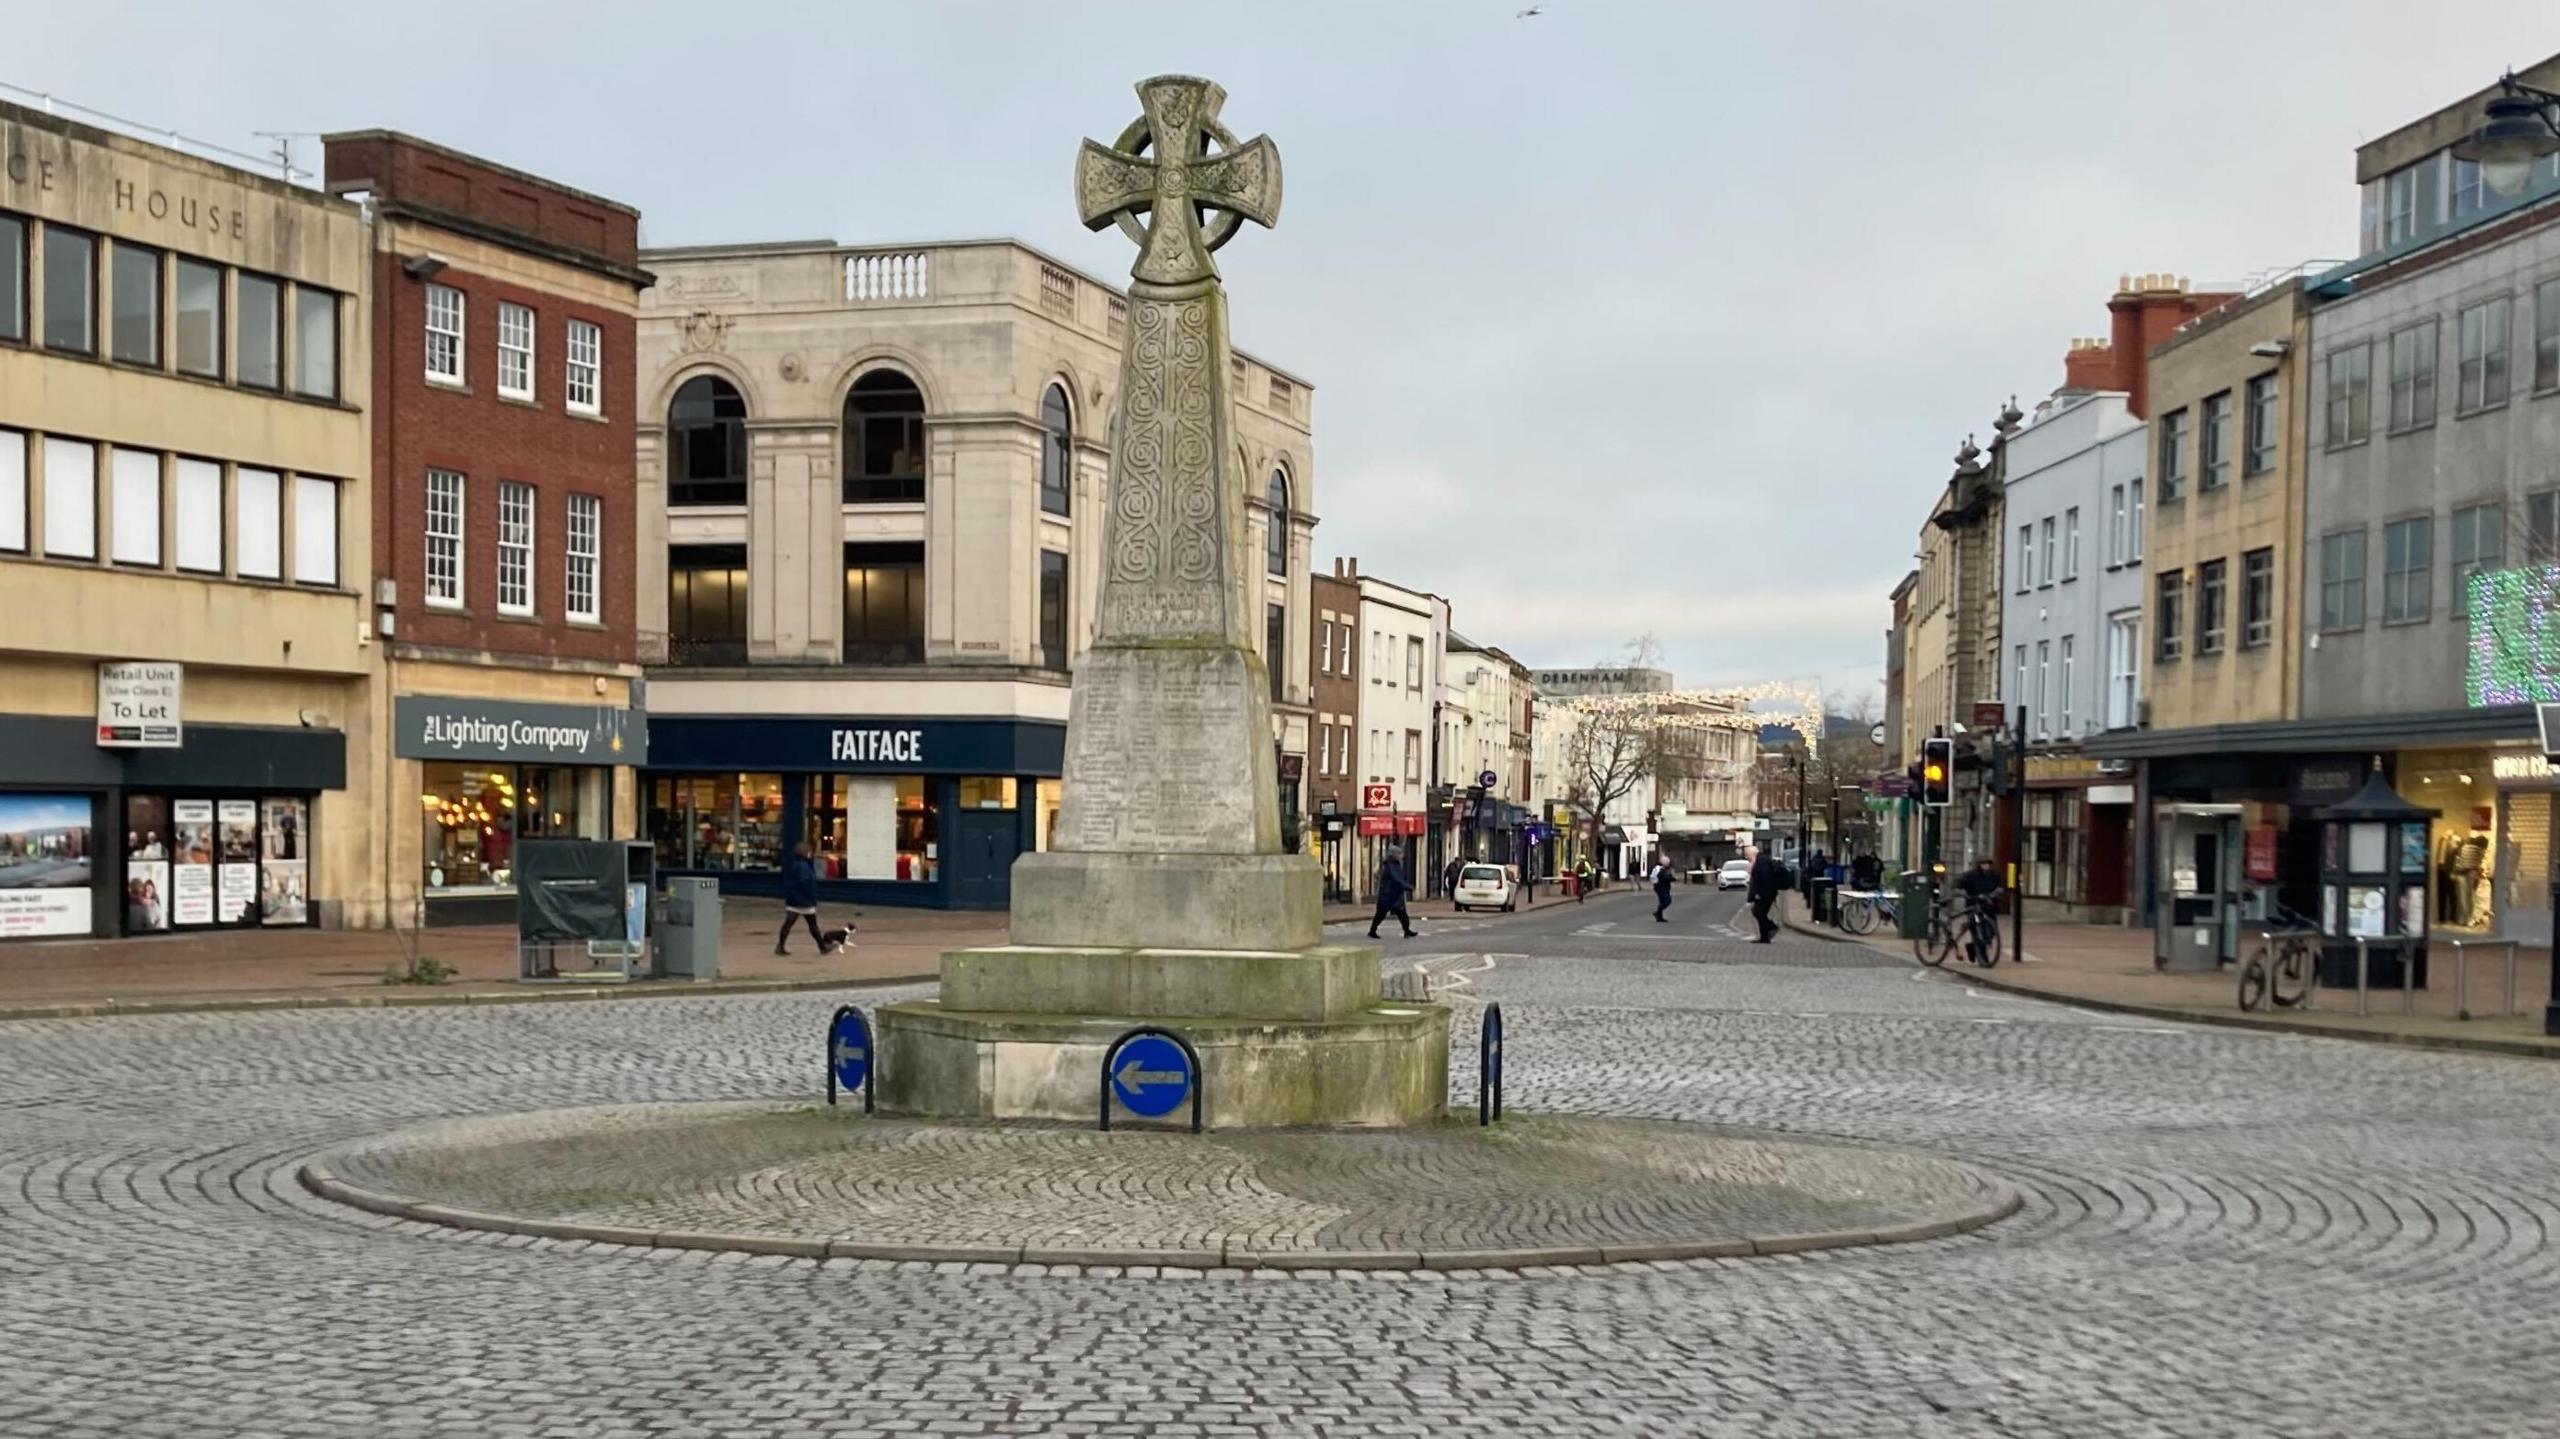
(849,1048)
(1150,1076)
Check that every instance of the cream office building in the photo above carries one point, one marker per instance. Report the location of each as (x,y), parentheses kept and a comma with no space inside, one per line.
(184,544)
(872,493)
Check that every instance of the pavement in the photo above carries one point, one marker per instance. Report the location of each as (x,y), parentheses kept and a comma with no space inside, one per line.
(778,1177)
(271,968)
(2221,1232)
(2111,966)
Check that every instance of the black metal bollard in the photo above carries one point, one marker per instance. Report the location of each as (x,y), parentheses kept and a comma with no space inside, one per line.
(1489,1067)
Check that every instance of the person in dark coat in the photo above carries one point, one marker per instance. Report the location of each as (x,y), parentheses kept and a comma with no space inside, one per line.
(800,898)
(1661,889)
(1768,880)
(1393,888)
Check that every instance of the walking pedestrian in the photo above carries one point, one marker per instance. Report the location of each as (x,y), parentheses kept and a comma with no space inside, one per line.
(1392,889)
(1661,889)
(800,898)
(1768,881)
(1449,878)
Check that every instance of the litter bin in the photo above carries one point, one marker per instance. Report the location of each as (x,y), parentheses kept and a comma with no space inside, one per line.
(1913,911)
(688,930)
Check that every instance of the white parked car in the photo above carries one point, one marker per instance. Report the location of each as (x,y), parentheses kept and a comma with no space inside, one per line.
(1483,885)
(1736,874)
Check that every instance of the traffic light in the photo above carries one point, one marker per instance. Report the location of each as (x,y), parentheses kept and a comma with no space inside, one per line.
(1937,771)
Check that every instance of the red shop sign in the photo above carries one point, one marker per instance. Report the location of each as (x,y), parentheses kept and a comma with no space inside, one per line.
(1408,824)
(1377,824)
(2258,854)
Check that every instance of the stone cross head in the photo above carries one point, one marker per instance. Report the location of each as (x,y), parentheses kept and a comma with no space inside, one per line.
(1181,183)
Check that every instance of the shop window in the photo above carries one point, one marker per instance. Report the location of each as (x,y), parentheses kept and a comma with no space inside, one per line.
(1053,611)
(13,278)
(875,827)
(70,498)
(884,604)
(1051,795)
(261,331)
(134,287)
(2050,845)
(706,604)
(884,440)
(192,862)
(45,862)
(199,330)
(200,531)
(70,291)
(13,491)
(134,502)
(315,343)
(707,444)
(315,530)
(470,819)
(284,861)
(1057,453)
(257,498)
(986,792)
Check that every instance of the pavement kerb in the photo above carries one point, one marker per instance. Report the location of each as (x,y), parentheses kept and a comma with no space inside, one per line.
(2514,1048)
(317,1177)
(655,989)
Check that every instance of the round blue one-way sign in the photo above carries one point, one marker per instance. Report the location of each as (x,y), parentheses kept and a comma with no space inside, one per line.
(1150,1076)
(849,1049)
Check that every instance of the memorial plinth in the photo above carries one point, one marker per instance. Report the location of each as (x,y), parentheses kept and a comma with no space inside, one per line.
(1167,899)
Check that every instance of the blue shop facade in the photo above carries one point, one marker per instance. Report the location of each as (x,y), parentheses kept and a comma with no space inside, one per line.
(929,813)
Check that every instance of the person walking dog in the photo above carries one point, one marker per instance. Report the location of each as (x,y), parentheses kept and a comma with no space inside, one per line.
(800,898)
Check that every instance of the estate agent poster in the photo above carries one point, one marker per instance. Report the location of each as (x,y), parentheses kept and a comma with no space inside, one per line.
(191,853)
(284,875)
(239,841)
(44,864)
(146,863)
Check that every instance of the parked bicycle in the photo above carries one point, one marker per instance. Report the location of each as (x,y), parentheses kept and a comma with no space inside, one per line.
(1861,909)
(2285,969)
(1962,923)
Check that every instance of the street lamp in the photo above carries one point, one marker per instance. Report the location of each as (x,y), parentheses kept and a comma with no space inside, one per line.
(2522,127)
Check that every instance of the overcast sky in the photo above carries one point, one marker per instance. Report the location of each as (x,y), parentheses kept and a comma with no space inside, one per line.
(1623,317)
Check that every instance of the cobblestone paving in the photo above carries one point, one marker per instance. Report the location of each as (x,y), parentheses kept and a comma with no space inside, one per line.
(803,1171)
(2225,1233)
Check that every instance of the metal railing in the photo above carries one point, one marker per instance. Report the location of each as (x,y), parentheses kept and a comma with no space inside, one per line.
(2462,975)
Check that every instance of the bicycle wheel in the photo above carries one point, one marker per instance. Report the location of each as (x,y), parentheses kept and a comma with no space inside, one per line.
(1934,946)
(1857,916)
(1989,954)
(2253,984)
(2295,974)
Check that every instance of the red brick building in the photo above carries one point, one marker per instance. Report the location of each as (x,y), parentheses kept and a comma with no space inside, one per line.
(504,311)
(1333,694)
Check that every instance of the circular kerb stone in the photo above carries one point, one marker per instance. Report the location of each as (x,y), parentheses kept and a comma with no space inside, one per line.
(803,1180)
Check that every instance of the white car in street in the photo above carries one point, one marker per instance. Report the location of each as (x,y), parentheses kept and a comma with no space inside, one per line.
(1736,874)
(1487,885)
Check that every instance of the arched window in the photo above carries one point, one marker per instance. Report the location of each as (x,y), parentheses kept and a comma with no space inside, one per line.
(707,444)
(883,440)
(1275,545)
(1057,452)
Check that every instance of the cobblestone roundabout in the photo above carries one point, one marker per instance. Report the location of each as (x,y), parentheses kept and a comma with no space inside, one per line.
(2223,1233)
(1534,1189)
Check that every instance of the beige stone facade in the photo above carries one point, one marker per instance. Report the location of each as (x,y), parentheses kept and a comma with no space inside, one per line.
(184,456)
(2263,338)
(991,336)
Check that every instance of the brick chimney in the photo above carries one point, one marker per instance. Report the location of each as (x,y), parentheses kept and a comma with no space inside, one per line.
(2090,365)
(2147,310)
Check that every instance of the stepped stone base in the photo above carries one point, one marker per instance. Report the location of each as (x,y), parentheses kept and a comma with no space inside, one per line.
(1326,982)
(1258,902)
(1381,1065)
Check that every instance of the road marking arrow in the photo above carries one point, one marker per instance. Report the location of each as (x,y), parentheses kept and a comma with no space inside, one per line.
(1133,1079)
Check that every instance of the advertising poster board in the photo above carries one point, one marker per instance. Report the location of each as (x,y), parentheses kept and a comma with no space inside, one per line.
(238,836)
(44,864)
(191,858)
